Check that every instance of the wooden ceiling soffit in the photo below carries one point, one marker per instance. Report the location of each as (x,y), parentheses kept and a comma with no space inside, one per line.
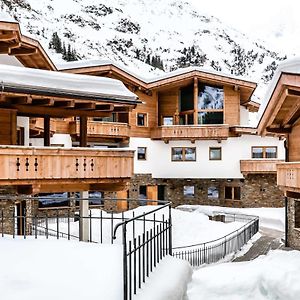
(293,114)
(43,101)
(9,36)
(19,100)
(22,51)
(104,107)
(5,48)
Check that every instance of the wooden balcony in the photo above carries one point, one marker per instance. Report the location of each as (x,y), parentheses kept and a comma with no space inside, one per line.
(102,129)
(59,169)
(36,126)
(288,176)
(259,166)
(190,132)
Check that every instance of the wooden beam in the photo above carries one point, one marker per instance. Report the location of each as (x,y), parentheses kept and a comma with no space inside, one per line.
(83,131)
(22,51)
(121,109)
(40,111)
(195,100)
(46,131)
(85,105)
(278,130)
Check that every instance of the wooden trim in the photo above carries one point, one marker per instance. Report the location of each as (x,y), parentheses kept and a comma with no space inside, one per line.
(215,148)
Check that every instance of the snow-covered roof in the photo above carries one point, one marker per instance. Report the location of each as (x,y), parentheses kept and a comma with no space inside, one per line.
(181,71)
(64,84)
(291,66)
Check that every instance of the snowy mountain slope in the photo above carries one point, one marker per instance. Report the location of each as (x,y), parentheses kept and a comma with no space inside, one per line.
(134,32)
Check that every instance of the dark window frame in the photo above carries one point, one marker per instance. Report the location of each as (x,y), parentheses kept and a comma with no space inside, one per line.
(233,188)
(145,148)
(264,153)
(145,116)
(215,148)
(183,154)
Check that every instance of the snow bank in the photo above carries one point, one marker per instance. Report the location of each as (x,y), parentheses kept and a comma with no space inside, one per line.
(168,281)
(39,269)
(268,217)
(187,227)
(275,276)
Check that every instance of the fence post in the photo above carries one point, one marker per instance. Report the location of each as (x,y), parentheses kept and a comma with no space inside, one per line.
(170,230)
(125,266)
(83,218)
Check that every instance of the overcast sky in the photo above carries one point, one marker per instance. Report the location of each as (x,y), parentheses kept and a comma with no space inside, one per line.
(275,21)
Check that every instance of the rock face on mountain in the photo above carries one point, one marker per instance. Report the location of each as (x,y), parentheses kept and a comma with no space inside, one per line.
(146,36)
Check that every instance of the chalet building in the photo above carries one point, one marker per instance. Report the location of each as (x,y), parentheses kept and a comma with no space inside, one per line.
(31,88)
(191,136)
(280,115)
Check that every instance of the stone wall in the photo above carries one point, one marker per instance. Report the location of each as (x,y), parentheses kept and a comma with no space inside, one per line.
(293,233)
(256,190)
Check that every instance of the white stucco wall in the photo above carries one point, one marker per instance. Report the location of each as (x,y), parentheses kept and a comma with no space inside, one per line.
(57,139)
(9,60)
(24,122)
(244,116)
(233,150)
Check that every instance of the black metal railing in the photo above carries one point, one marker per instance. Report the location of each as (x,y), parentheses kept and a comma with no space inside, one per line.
(146,237)
(147,248)
(216,250)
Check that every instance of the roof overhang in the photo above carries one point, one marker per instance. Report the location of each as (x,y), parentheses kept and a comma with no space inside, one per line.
(28,51)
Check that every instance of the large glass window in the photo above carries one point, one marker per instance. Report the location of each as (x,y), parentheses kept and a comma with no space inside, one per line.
(210,105)
(264,152)
(187,98)
(183,154)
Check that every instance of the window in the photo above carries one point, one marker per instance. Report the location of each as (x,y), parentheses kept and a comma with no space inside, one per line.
(232,193)
(215,153)
(141,119)
(297,214)
(167,121)
(264,152)
(141,153)
(187,98)
(143,194)
(189,191)
(213,192)
(183,154)
(210,105)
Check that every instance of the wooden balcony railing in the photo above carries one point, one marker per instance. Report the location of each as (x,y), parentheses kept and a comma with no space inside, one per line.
(190,132)
(102,129)
(29,166)
(36,126)
(288,176)
(259,166)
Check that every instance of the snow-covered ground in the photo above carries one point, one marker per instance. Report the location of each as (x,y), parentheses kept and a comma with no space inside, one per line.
(39,269)
(274,276)
(187,227)
(272,218)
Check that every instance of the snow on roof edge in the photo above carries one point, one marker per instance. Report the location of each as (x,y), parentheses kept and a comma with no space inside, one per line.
(180,71)
(65,82)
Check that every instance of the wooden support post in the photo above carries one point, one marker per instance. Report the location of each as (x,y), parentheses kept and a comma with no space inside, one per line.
(84,220)
(152,194)
(195,100)
(46,131)
(83,132)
